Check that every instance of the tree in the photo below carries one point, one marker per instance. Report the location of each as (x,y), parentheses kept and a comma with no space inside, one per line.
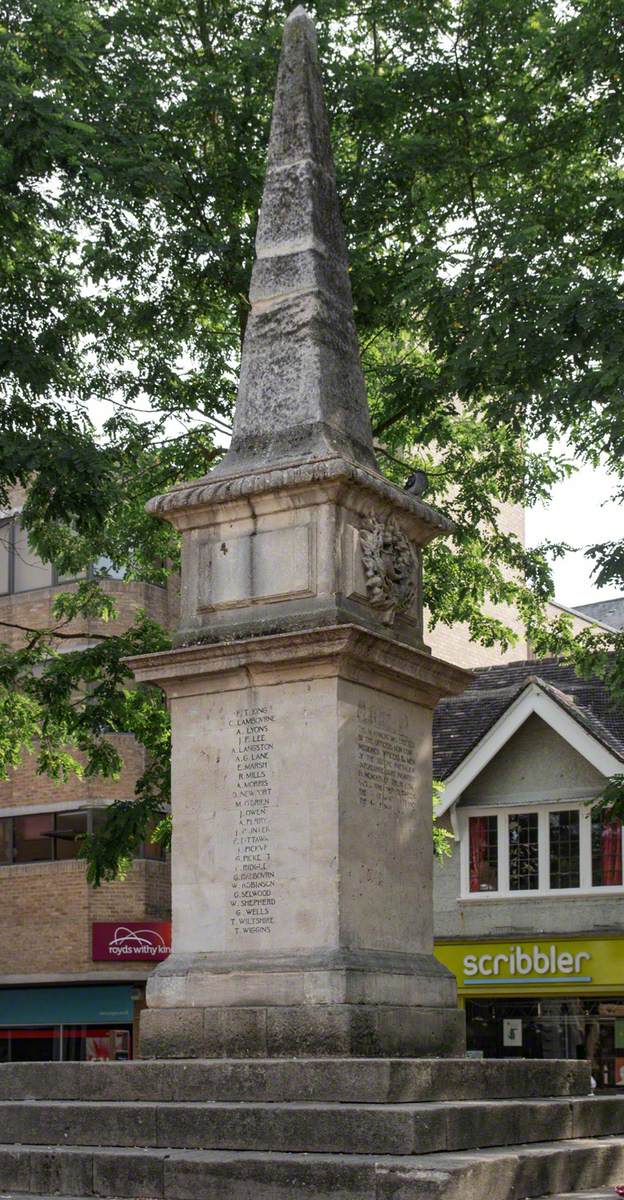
(478,148)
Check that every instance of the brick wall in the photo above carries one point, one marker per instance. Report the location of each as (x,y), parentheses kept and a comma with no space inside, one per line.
(33,609)
(48,908)
(25,786)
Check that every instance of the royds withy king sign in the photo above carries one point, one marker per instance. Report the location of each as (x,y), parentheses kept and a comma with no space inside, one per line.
(590,965)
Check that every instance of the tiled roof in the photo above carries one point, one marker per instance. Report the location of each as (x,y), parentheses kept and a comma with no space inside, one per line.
(462,721)
(610,612)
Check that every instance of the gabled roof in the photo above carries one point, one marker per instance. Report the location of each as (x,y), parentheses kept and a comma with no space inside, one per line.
(471,728)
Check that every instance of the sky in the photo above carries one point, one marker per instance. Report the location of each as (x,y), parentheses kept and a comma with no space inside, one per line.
(580,513)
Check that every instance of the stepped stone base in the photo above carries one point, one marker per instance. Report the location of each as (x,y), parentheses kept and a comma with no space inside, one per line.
(360,1030)
(308,1129)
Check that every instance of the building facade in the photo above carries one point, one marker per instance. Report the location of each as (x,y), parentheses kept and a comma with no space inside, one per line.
(74,959)
(529,908)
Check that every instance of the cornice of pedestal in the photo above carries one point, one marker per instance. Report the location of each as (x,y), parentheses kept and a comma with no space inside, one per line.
(193,504)
(348,652)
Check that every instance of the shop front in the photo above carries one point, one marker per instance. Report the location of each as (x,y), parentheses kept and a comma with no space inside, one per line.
(67,1024)
(552,998)
(74,1022)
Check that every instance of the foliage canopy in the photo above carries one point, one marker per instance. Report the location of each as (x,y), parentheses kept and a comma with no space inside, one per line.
(478,147)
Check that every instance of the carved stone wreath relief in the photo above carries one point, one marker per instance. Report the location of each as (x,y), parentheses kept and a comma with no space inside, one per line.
(390,567)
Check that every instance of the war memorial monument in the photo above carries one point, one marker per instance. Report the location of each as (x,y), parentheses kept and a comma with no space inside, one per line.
(302,1042)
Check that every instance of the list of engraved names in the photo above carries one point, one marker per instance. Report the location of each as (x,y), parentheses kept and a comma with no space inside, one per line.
(253,879)
(386,760)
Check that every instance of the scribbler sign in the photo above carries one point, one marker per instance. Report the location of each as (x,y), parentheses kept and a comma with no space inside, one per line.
(131,941)
(527,964)
(593,964)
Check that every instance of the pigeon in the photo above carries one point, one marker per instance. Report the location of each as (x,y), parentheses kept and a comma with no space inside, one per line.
(416,483)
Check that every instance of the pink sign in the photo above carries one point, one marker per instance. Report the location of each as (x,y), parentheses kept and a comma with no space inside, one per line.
(131,941)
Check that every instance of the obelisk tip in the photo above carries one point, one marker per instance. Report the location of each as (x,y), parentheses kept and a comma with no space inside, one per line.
(298,12)
(301,387)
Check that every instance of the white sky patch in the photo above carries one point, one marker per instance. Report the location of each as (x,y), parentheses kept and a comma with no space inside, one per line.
(581,513)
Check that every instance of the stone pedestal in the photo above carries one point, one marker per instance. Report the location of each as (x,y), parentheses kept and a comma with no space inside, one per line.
(302,851)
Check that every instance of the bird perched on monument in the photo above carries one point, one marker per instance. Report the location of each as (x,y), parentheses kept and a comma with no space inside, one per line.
(416,483)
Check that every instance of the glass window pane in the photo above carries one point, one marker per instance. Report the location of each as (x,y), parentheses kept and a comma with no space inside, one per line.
(70,578)
(6,841)
(98,817)
(565,857)
(69,826)
(33,842)
(523,852)
(30,571)
(483,854)
(151,849)
(606,837)
(5,547)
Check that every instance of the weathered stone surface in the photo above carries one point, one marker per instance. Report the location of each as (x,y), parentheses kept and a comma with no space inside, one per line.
(14,1170)
(302,880)
(346,1080)
(538,1170)
(41,1081)
(163,1031)
(58,1173)
(268,1177)
(301,368)
(309,1126)
(125,1173)
(505,1122)
(324,1030)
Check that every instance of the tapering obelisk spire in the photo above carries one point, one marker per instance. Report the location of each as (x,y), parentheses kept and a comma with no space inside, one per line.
(302,393)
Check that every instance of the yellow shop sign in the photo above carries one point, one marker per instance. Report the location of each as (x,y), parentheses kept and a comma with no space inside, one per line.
(553,963)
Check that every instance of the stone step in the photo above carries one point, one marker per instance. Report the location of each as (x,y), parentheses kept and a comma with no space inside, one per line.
(595,1194)
(544,1170)
(401,1129)
(370,1081)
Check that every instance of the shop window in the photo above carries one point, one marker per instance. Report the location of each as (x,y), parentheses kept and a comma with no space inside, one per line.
(606,844)
(523,852)
(65,1043)
(483,854)
(565,850)
(30,1044)
(90,1043)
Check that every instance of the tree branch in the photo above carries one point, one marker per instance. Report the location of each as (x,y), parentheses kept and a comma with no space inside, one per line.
(55,633)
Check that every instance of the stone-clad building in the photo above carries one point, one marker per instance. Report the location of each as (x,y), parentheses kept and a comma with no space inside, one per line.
(529,909)
(72,962)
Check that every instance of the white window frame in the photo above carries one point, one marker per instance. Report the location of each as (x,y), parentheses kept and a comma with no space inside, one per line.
(586,888)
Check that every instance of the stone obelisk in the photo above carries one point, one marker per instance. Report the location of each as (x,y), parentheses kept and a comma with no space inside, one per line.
(301,693)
